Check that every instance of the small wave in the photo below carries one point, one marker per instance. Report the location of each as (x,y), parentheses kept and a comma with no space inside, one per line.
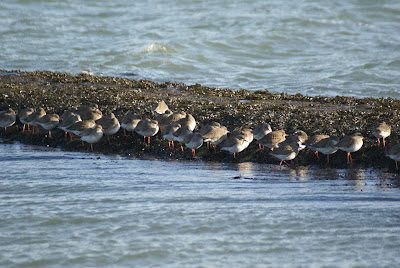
(394,63)
(155,47)
(87,71)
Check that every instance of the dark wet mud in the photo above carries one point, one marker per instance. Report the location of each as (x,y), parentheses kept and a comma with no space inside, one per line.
(56,92)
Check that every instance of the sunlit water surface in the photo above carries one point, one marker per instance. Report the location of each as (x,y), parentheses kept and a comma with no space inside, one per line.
(67,209)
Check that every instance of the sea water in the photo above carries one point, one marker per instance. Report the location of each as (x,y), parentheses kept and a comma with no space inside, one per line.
(311,47)
(68,209)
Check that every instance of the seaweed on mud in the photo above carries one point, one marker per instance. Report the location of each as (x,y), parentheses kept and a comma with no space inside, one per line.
(339,115)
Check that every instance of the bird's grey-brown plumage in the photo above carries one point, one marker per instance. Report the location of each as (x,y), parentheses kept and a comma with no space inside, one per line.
(381,131)
(272,139)
(350,143)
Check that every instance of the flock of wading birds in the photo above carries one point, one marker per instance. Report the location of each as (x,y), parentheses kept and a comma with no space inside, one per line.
(90,125)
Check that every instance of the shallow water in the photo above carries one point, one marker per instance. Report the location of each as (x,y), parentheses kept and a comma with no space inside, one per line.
(310,47)
(67,209)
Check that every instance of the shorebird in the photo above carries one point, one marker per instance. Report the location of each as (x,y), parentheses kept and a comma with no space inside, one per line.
(350,144)
(193,141)
(49,122)
(298,136)
(260,131)
(180,135)
(79,127)
(214,134)
(92,107)
(327,146)
(68,113)
(162,119)
(246,132)
(394,153)
(159,108)
(68,121)
(189,121)
(235,144)
(92,135)
(7,118)
(272,139)
(285,152)
(314,140)
(147,128)
(208,128)
(170,119)
(382,130)
(130,121)
(292,139)
(110,125)
(205,128)
(168,134)
(302,136)
(34,117)
(23,114)
(89,113)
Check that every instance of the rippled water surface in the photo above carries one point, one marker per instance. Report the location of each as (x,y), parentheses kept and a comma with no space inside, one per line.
(307,46)
(64,209)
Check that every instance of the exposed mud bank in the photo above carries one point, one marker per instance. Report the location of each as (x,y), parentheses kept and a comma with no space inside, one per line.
(56,92)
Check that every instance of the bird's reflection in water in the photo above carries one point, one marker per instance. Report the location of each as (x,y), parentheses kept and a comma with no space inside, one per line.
(300,174)
(356,178)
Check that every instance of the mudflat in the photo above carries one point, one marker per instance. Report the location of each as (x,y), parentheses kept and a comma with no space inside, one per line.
(340,116)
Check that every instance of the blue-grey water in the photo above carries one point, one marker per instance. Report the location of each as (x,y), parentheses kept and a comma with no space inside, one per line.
(67,209)
(308,46)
